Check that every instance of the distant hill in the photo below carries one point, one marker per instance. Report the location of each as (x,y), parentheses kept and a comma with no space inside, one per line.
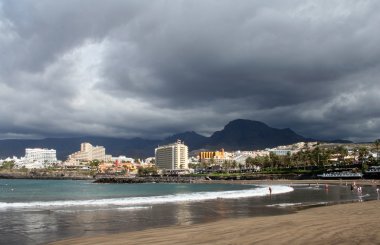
(191,139)
(249,135)
(338,141)
(239,134)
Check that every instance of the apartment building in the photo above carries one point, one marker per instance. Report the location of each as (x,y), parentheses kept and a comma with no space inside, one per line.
(40,155)
(172,156)
(89,152)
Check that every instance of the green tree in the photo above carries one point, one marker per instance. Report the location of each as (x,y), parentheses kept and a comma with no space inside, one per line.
(234,164)
(377,145)
(94,163)
(249,161)
(362,154)
(226,165)
(8,165)
(147,171)
(342,151)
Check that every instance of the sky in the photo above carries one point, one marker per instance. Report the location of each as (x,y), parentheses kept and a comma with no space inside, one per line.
(150,69)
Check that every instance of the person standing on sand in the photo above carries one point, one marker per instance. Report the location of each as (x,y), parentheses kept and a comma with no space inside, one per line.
(270,191)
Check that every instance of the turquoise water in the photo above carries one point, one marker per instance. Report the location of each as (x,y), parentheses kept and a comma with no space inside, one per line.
(61,194)
(21,190)
(40,211)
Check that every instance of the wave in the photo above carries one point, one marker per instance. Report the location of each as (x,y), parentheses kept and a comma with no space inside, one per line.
(94,208)
(285,204)
(297,204)
(133,201)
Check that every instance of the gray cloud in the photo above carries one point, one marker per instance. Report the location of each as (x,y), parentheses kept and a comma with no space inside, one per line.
(150,69)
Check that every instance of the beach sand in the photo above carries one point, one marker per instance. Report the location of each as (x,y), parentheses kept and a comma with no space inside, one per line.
(353,223)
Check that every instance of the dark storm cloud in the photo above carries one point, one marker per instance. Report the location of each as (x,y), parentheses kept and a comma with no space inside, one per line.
(152,68)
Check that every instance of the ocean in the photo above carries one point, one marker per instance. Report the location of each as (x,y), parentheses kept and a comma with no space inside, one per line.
(41,211)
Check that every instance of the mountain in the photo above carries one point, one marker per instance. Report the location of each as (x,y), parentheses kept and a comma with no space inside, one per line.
(338,141)
(191,139)
(239,134)
(248,135)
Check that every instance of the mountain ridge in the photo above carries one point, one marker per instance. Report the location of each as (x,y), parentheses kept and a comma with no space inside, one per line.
(239,134)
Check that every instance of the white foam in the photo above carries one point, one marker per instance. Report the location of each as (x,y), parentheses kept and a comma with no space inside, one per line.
(133,201)
(285,204)
(103,209)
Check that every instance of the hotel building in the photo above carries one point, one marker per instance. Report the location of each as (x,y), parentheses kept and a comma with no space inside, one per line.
(89,152)
(40,155)
(173,156)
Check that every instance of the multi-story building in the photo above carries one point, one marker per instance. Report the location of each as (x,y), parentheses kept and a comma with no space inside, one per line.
(172,156)
(45,156)
(280,152)
(88,153)
(215,157)
(211,154)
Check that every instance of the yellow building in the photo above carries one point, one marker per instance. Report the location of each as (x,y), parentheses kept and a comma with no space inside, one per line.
(88,153)
(203,155)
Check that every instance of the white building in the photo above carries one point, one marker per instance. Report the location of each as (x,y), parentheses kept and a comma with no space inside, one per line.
(150,160)
(123,159)
(19,162)
(281,152)
(38,158)
(173,156)
(40,155)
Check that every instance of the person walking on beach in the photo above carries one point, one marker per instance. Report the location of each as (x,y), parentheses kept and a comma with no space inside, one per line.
(270,191)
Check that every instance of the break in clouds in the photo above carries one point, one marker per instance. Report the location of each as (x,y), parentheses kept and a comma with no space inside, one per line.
(154,68)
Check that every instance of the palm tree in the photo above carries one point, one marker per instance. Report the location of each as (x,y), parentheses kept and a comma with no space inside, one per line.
(377,144)
(363,153)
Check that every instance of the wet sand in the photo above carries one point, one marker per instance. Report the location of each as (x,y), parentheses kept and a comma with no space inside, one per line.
(353,223)
(359,182)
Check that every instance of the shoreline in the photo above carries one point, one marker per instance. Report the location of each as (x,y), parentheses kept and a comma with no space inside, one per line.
(187,179)
(122,179)
(349,223)
(362,182)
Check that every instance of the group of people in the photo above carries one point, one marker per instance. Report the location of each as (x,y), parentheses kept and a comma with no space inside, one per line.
(355,187)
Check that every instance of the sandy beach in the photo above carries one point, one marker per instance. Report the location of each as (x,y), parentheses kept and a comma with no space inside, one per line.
(353,223)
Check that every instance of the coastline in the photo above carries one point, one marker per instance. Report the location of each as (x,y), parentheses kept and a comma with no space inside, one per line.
(265,179)
(352,223)
(183,179)
(45,176)
(361,182)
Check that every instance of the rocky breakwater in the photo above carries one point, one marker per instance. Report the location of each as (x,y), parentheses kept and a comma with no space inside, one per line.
(40,174)
(149,179)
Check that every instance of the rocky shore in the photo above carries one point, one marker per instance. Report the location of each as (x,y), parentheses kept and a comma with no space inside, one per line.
(198,179)
(46,175)
(150,179)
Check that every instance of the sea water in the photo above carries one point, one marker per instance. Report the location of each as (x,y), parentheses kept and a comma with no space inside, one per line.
(39,211)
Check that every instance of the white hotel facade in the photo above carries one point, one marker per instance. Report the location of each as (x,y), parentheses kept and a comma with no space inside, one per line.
(173,156)
(40,155)
(38,158)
